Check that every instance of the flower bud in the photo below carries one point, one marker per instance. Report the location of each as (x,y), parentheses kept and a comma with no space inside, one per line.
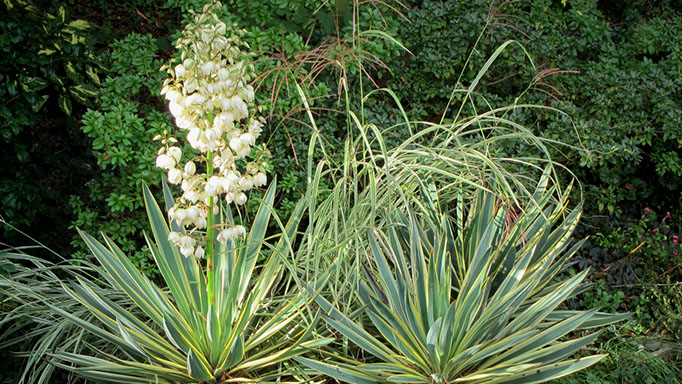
(219,43)
(190,168)
(206,37)
(255,128)
(248,93)
(244,110)
(221,28)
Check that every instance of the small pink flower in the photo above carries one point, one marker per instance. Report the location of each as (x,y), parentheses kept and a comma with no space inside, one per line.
(667,215)
(647,211)
(654,230)
(676,239)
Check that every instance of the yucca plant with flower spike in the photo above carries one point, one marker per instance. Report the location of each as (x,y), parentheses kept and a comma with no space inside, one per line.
(207,328)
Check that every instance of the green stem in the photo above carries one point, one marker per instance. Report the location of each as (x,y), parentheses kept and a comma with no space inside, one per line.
(209,232)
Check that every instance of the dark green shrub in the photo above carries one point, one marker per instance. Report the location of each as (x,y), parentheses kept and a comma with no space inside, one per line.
(131,114)
(48,74)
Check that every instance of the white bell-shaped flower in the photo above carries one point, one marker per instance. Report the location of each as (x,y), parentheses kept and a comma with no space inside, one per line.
(174,176)
(243,152)
(173,95)
(174,238)
(236,144)
(175,153)
(240,230)
(187,251)
(240,199)
(208,67)
(260,179)
(164,161)
(245,183)
(180,71)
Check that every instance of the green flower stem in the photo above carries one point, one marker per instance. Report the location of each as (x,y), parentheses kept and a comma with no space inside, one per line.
(209,232)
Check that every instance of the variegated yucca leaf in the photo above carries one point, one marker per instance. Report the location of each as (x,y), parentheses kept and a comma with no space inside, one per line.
(183,337)
(471,298)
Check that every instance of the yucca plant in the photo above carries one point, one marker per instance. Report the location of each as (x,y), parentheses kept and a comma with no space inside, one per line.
(472,298)
(183,336)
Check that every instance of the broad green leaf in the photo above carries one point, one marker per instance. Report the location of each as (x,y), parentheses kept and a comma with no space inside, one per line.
(183,275)
(408,379)
(65,103)
(198,367)
(79,24)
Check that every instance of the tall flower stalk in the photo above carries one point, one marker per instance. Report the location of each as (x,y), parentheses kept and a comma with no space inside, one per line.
(211,99)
